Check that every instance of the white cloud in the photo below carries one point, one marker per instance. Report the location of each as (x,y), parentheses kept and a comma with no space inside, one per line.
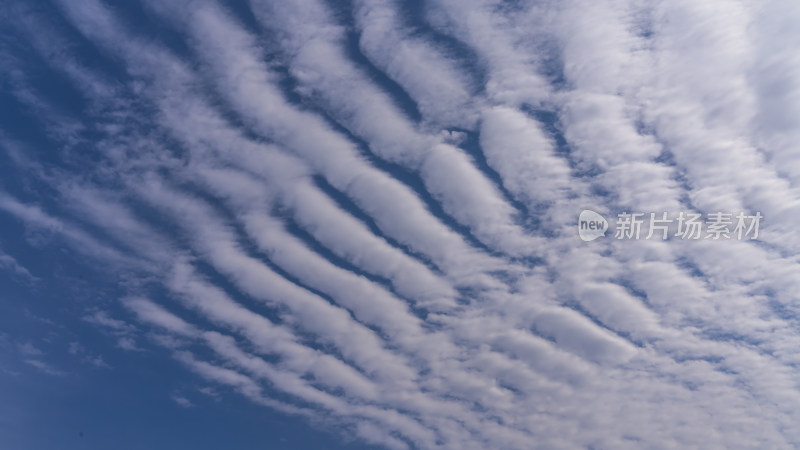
(102,319)
(8,262)
(28,349)
(182,401)
(45,367)
(361,264)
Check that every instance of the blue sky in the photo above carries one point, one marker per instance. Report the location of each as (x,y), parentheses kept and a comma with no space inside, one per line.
(319,224)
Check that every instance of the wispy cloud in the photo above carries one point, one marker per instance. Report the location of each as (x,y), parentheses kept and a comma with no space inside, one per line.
(182,401)
(9,263)
(28,349)
(45,367)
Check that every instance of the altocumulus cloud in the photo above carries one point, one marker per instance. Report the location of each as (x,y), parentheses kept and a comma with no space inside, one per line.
(361,215)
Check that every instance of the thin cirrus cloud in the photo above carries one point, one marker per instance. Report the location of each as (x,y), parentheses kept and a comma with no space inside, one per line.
(361,216)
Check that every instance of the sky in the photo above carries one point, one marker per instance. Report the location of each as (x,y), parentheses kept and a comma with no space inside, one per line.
(365,224)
